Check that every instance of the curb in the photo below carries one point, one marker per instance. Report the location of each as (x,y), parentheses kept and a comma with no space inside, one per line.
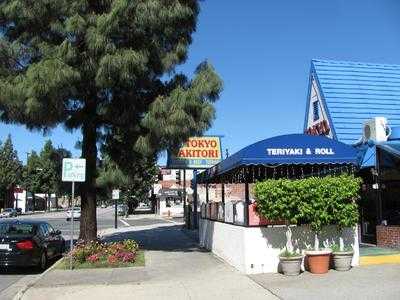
(379,259)
(22,291)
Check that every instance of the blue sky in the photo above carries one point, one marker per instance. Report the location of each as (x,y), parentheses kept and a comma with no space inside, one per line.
(262,50)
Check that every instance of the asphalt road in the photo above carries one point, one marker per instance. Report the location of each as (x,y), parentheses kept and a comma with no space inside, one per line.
(105,219)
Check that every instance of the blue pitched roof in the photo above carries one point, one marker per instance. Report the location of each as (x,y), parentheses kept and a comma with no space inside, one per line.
(354,92)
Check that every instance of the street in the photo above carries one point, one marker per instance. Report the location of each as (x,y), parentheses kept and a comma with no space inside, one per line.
(105,219)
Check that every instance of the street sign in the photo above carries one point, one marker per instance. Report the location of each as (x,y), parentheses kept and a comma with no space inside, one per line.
(115,194)
(74,169)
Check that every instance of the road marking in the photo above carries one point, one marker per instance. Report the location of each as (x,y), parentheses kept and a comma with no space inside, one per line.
(125,223)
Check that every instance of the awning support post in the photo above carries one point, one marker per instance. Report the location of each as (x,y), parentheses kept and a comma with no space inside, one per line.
(247,203)
(223,192)
(207,193)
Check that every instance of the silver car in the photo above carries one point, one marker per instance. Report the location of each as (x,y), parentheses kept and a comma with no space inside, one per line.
(8,213)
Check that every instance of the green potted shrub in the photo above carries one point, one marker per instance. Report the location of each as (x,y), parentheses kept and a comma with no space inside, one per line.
(330,201)
(277,200)
(347,216)
(316,212)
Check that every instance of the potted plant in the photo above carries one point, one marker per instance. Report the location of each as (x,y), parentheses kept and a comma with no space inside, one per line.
(317,213)
(289,259)
(342,257)
(330,200)
(347,194)
(277,200)
(290,262)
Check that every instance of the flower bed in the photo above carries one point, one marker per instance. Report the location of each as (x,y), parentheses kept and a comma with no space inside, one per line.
(97,254)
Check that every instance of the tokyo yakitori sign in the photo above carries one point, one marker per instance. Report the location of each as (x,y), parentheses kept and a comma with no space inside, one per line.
(197,153)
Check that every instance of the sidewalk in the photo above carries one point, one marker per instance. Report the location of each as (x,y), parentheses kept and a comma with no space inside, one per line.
(175,269)
(360,283)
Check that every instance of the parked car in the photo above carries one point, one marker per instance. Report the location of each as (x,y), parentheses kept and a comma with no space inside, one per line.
(122,209)
(103,205)
(77,214)
(26,243)
(8,213)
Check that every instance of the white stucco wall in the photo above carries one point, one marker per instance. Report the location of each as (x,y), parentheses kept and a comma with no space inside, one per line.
(254,250)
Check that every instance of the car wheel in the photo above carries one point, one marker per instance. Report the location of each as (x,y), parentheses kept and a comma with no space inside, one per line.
(43,261)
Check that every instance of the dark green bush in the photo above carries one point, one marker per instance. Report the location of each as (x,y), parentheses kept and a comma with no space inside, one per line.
(318,201)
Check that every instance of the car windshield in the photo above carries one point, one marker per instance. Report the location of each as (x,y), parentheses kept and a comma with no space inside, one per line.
(16,229)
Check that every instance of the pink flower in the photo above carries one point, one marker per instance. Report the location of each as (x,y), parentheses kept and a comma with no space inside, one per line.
(112,259)
(93,258)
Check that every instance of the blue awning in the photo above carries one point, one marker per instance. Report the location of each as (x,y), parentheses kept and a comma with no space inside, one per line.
(368,153)
(291,149)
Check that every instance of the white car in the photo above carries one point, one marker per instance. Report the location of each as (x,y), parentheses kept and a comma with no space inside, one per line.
(77,213)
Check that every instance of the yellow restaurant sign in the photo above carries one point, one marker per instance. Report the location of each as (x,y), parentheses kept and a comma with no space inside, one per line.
(197,153)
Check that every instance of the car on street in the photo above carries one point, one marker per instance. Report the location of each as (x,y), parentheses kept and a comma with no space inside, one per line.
(27,242)
(104,205)
(77,213)
(122,209)
(8,213)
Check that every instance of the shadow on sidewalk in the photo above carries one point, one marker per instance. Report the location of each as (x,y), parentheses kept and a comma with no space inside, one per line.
(170,238)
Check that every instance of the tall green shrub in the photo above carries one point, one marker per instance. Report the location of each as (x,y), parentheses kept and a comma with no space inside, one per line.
(317,201)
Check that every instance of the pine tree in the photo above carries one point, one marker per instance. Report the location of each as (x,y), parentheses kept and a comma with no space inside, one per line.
(106,68)
(10,171)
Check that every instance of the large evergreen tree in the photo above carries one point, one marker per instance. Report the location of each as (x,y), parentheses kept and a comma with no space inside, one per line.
(106,68)
(10,171)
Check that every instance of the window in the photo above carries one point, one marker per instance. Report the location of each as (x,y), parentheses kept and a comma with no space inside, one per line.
(16,229)
(44,230)
(315,110)
(50,228)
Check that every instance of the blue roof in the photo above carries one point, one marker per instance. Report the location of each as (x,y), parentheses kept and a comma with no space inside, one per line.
(291,149)
(355,92)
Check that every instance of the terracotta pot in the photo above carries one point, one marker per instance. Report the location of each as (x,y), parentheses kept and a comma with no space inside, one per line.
(318,261)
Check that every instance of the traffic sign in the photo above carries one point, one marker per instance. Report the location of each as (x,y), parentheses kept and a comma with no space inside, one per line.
(115,194)
(74,169)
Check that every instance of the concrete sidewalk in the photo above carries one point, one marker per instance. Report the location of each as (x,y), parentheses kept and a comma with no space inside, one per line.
(369,282)
(175,269)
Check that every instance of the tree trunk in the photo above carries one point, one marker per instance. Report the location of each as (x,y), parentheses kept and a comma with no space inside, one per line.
(88,223)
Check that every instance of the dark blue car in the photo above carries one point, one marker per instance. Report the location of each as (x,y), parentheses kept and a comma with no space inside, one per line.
(26,243)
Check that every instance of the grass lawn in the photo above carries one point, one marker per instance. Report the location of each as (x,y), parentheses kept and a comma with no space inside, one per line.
(139,262)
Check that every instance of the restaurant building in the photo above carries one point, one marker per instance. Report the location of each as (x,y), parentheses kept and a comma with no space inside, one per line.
(359,104)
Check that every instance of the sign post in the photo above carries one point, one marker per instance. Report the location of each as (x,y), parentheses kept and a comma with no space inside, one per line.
(115,196)
(73,170)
